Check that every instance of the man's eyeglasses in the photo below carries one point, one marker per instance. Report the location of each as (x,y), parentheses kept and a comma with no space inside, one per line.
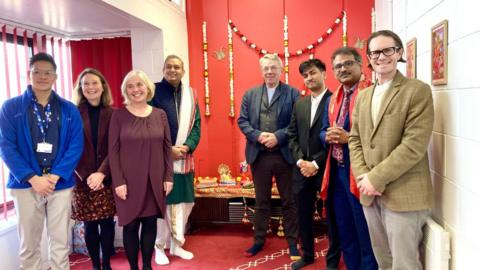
(346,64)
(387,52)
(46,73)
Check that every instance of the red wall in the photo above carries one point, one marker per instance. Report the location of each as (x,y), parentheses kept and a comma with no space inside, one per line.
(111,56)
(262,23)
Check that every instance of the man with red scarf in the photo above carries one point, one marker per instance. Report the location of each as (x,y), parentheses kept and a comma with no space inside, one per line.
(338,186)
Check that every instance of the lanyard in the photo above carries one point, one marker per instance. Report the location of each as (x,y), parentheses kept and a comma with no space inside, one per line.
(42,124)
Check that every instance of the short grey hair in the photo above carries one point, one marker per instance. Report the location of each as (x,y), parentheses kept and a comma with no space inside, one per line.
(270,56)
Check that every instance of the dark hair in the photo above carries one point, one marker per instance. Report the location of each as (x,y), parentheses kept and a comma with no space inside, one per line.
(41,56)
(79,98)
(386,33)
(311,63)
(347,51)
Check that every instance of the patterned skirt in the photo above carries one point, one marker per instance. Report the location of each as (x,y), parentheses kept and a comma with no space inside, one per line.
(88,205)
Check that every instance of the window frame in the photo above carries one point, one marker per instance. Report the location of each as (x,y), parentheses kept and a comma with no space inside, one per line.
(8,205)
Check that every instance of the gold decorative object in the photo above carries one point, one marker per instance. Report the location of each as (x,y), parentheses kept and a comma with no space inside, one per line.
(280,231)
(220,54)
(360,43)
(269,230)
(245,219)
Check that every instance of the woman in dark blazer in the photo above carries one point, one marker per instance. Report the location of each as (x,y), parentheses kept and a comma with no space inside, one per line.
(93,200)
(140,155)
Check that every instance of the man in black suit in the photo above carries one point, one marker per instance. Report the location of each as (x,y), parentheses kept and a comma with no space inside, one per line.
(264,118)
(309,154)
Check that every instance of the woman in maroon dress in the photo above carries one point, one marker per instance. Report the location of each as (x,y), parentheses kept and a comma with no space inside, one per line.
(141,166)
(92,196)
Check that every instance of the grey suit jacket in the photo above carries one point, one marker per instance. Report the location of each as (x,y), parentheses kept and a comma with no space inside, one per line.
(249,119)
(393,151)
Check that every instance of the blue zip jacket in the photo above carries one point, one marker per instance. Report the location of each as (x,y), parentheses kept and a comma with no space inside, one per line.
(16,147)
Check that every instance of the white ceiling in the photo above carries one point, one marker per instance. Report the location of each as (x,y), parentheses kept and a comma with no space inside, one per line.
(75,19)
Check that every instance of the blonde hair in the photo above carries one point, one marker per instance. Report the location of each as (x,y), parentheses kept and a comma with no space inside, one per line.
(79,98)
(143,76)
(270,56)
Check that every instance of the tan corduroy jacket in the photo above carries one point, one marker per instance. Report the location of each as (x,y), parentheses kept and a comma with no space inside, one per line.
(393,151)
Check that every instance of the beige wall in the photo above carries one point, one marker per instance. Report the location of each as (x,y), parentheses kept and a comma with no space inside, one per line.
(168,34)
(455,144)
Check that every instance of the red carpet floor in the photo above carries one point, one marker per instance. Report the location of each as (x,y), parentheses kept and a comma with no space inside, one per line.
(221,247)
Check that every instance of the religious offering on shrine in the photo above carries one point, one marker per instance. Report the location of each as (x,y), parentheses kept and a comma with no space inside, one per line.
(226,178)
(206,182)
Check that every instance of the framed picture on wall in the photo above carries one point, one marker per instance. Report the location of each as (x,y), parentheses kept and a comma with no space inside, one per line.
(440,53)
(412,58)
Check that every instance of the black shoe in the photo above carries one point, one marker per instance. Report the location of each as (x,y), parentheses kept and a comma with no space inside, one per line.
(253,250)
(300,264)
(294,253)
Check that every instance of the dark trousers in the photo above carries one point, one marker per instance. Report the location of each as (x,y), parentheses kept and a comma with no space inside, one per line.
(132,243)
(267,165)
(350,222)
(334,252)
(305,197)
(94,239)
(305,190)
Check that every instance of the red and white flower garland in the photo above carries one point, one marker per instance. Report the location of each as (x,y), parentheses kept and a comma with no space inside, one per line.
(205,69)
(300,52)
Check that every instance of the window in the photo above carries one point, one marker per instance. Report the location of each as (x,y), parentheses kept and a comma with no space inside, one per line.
(16,63)
(14,79)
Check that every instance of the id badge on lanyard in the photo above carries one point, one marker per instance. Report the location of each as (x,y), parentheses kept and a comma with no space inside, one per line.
(43,147)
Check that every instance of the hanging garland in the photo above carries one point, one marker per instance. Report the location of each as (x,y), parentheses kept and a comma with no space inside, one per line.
(205,69)
(300,52)
(344,37)
(230,65)
(285,45)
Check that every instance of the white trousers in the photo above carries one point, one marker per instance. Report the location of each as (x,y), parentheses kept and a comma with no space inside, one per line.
(172,226)
(33,212)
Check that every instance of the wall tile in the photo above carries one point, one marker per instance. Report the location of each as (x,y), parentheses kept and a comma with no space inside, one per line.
(436,153)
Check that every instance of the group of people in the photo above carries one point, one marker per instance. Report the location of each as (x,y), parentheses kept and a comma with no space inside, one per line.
(89,162)
(362,148)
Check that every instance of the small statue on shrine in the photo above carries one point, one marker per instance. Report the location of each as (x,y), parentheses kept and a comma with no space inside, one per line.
(226,178)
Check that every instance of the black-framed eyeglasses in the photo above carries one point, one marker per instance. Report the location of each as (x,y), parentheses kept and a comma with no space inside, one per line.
(346,64)
(386,51)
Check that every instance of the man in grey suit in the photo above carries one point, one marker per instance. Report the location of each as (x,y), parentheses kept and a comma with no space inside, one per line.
(392,125)
(264,118)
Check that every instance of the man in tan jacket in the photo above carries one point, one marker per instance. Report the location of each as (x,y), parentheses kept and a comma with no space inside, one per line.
(392,125)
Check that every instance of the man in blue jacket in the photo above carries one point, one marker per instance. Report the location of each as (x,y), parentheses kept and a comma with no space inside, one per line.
(41,141)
